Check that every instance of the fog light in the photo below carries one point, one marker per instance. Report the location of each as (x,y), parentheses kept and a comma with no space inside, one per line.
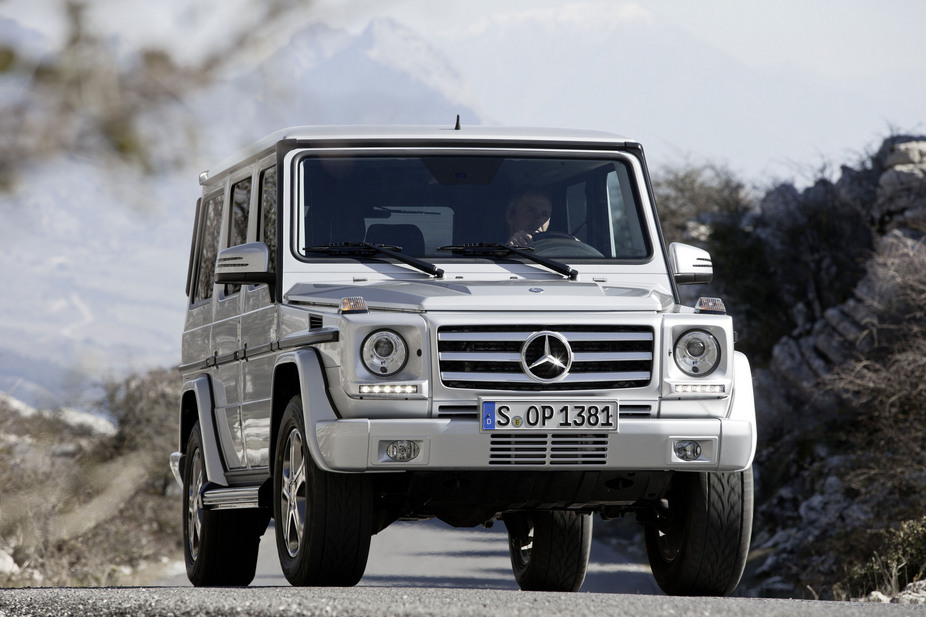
(403,450)
(687,450)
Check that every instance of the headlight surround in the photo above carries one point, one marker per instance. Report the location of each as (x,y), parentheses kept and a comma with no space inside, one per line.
(697,353)
(384,352)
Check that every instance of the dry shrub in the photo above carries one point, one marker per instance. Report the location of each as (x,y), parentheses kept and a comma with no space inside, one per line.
(887,387)
(886,390)
(109,511)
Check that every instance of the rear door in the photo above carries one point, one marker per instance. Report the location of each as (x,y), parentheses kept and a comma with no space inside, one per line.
(259,325)
(226,329)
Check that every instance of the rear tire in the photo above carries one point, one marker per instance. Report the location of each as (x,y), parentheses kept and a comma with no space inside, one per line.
(697,545)
(220,547)
(323,519)
(549,549)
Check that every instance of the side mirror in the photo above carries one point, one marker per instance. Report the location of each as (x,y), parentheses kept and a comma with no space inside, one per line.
(690,264)
(245,264)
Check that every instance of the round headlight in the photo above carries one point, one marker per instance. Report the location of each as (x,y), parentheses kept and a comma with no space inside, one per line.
(697,353)
(384,353)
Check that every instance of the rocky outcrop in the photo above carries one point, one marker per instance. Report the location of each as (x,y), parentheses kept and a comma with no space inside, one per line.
(804,500)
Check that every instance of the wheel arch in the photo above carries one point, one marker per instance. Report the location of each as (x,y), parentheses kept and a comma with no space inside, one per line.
(300,373)
(196,405)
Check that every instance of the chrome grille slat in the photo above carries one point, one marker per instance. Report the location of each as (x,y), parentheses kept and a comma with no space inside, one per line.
(480,356)
(571,378)
(591,356)
(522,336)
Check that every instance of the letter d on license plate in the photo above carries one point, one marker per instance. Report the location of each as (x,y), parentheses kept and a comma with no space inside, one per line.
(554,415)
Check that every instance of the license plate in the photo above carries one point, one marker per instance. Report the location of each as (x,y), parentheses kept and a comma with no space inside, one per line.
(569,415)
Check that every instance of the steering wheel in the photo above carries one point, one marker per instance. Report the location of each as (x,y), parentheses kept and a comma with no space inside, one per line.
(559,244)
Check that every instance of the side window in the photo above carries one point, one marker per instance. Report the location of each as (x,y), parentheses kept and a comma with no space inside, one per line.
(268,213)
(241,199)
(238,234)
(627,237)
(211,225)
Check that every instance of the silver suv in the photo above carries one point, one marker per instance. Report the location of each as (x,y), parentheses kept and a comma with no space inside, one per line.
(473,324)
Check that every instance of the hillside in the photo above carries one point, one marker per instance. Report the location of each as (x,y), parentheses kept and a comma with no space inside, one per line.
(85,501)
(842,396)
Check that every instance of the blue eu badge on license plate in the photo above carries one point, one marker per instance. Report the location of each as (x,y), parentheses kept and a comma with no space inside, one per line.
(488,416)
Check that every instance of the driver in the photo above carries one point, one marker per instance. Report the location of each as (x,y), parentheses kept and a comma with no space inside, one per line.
(527,214)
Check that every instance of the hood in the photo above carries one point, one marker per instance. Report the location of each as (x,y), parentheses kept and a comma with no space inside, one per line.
(485,296)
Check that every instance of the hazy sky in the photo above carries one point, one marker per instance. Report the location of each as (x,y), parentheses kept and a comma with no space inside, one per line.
(773,89)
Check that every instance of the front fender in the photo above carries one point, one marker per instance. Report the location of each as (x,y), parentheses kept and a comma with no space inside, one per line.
(743,407)
(317,408)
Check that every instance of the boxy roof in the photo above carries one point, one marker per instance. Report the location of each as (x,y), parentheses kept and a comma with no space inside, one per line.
(343,136)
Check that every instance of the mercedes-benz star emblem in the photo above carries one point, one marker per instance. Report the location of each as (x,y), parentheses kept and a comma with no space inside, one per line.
(546,356)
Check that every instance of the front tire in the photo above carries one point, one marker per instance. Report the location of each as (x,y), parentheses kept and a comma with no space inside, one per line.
(323,519)
(549,549)
(698,540)
(220,547)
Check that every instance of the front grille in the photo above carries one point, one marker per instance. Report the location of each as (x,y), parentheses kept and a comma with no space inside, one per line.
(548,449)
(489,357)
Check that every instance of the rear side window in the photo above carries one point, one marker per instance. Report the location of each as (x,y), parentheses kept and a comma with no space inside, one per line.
(268,213)
(209,248)
(238,233)
(241,199)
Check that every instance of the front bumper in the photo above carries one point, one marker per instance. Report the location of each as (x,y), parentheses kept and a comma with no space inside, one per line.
(638,444)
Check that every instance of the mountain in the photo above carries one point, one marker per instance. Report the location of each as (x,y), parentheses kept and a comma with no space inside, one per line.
(619,67)
(384,75)
(96,247)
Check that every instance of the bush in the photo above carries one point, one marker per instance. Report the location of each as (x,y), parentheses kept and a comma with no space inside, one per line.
(900,561)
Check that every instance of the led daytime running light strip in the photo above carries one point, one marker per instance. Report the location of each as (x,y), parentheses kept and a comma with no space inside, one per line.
(685,388)
(389,389)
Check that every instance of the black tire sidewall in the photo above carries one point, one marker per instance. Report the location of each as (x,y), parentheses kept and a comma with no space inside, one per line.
(196,569)
(296,567)
(559,555)
(711,557)
(338,521)
(229,540)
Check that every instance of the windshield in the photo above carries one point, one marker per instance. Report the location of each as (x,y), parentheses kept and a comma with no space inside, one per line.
(430,206)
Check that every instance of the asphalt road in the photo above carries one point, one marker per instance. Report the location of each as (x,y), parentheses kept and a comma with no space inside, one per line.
(431,554)
(421,570)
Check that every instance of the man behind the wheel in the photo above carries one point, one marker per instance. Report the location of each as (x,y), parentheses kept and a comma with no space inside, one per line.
(526,215)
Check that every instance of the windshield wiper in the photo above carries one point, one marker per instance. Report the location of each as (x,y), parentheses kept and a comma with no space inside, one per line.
(365,249)
(503,250)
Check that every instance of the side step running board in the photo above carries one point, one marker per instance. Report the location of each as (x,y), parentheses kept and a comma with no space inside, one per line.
(231,498)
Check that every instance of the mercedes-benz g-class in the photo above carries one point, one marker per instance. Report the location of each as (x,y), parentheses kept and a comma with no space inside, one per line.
(472,324)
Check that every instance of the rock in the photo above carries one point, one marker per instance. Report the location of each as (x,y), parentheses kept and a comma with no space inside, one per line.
(901,178)
(915,593)
(877,596)
(8,565)
(907,153)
